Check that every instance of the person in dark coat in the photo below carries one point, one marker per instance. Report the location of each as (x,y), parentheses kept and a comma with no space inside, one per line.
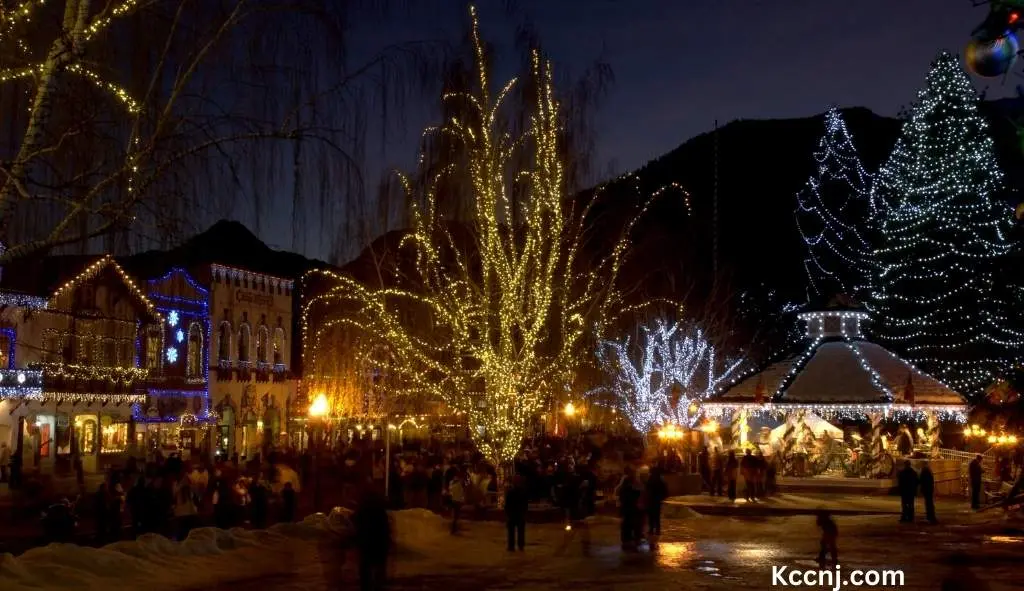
(829,538)
(974,471)
(907,482)
(289,500)
(629,501)
(927,484)
(102,509)
(747,469)
(730,474)
(717,470)
(704,468)
(372,539)
(516,504)
(657,491)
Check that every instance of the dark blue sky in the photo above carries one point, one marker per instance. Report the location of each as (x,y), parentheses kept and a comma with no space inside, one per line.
(681,64)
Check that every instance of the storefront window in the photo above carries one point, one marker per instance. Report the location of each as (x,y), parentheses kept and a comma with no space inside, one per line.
(85,430)
(115,436)
(63,436)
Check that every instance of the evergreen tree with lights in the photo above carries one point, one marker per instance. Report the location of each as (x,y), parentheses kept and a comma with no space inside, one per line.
(832,211)
(943,236)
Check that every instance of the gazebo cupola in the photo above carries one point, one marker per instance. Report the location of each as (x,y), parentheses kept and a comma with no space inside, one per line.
(834,324)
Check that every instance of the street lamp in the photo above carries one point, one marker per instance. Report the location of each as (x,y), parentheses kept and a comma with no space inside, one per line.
(570,410)
(317,412)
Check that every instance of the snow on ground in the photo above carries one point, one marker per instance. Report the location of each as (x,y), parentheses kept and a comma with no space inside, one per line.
(153,562)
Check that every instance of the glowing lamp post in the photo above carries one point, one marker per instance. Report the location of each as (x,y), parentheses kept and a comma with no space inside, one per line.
(569,411)
(318,412)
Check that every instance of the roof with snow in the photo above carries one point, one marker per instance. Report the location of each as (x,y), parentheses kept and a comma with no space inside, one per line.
(840,368)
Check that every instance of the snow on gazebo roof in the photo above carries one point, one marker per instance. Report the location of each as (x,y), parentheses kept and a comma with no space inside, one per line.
(841,373)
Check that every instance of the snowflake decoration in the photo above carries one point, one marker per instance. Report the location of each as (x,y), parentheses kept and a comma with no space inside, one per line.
(180,335)
(172,318)
(172,354)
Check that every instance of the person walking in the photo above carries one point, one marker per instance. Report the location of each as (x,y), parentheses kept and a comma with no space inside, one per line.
(516,504)
(717,469)
(731,474)
(704,469)
(185,512)
(628,494)
(974,471)
(289,501)
(927,484)
(907,482)
(829,537)
(372,539)
(457,492)
(657,491)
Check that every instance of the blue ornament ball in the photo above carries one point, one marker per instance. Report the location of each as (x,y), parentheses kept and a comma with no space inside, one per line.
(990,59)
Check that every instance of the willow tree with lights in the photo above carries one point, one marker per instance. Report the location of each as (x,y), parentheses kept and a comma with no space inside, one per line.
(490,315)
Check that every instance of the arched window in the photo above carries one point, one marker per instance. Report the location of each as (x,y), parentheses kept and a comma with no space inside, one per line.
(278,346)
(127,355)
(153,348)
(109,353)
(194,368)
(243,342)
(224,341)
(262,340)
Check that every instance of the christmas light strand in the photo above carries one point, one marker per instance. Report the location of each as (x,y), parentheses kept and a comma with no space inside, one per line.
(944,236)
(831,216)
(492,324)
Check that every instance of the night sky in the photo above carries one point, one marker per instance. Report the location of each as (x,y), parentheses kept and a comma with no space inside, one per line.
(681,64)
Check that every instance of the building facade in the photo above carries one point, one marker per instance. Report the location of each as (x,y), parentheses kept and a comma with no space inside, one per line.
(71,371)
(175,414)
(251,384)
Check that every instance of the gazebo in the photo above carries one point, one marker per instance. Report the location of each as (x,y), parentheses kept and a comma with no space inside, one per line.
(843,377)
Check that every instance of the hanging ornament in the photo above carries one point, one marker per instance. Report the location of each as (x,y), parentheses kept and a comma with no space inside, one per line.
(990,59)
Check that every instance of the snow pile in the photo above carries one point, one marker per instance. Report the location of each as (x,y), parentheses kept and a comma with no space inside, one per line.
(415,529)
(153,562)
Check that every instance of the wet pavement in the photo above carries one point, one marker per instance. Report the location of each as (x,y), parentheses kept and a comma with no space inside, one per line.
(704,552)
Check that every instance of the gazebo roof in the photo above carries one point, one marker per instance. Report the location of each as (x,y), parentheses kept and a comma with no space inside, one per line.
(841,373)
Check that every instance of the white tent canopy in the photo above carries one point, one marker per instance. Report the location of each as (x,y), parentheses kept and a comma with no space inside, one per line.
(816,424)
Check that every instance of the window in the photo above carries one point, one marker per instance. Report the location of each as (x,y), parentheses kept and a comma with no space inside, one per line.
(153,348)
(84,353)
(6,348)
(262,338)
(85,431)
(109,356)
(114,436)
(224,341)
(126,357)
(195,350)
(278,346)
(243,343)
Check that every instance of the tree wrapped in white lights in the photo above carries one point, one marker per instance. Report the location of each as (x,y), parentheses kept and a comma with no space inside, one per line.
(832,213)
(943,237)
(490,316)
(675,368)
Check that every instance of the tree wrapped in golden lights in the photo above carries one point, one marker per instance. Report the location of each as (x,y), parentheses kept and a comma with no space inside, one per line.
(492,316)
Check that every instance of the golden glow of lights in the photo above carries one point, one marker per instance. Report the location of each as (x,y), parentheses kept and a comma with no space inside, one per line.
(320,406)
(992,439)
(570,409)
(494,321)
(967,431)
(675,554)
(710,427)
(670,433)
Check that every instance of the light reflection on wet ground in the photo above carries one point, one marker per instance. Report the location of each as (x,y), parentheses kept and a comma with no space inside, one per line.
(716,553)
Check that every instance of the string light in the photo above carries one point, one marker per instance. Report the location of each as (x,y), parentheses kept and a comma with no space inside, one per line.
(943,234)
(93,270)
(500,324)
(90,373)
(18,300)
(832,211)
(885,370)
(671,358)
